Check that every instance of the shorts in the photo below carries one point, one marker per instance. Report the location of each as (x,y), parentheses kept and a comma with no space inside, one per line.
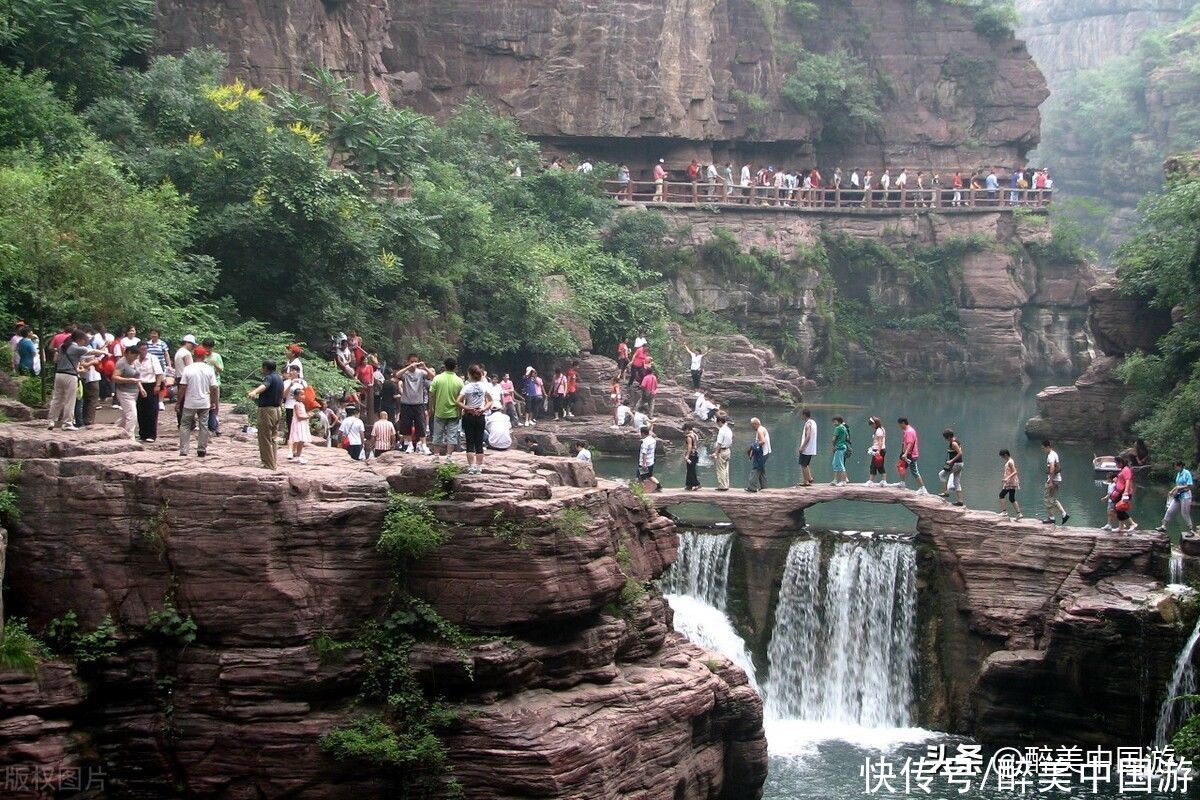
(622,363)
(913,468)
(412,418)
(447,431)
(1010,492)
(805,459)
(839,460)
(879,463)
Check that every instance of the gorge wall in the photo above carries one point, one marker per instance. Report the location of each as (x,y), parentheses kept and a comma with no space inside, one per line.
(899,296)
(636,81)
(1065,36)
(571,684)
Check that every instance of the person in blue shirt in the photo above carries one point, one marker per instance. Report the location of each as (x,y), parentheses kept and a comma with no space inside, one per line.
(26,351)
(991,183)
(1180,500)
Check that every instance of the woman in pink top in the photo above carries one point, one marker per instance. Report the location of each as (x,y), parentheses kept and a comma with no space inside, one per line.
(649,390)
(508,399)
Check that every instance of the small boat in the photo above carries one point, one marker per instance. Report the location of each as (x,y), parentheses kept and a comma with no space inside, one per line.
(1106,466)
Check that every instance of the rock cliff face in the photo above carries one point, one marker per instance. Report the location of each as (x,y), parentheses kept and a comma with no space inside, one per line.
(1064,36)
(577,687)
(1017,312)
(1090,409)
(636,81)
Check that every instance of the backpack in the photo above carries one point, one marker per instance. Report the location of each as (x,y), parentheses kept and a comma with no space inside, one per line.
(309,398)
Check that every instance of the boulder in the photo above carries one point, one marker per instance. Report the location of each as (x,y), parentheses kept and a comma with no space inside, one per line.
(1123,324)
(1089,410)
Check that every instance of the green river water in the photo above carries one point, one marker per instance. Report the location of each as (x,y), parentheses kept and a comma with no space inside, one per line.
(813,762)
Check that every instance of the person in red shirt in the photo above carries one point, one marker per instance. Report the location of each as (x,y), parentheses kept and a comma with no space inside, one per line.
(365,373)
(637,365)
(572,386)
(649,391)
(622,358)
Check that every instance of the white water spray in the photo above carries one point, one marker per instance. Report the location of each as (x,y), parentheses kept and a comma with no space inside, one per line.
(1171,714)
(701,569)
(843,649)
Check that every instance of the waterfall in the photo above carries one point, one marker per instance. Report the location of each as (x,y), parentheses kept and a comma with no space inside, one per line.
(696,587)
(1176,567)
(843,649)
(701,569)
(1171,714)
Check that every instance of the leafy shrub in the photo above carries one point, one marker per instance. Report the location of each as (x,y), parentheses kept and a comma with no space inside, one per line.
(803,12)
(32,392)
(65,637)
(370,740)
(835,88)
(410,531)
(19,649)
(996,19)
(171,625)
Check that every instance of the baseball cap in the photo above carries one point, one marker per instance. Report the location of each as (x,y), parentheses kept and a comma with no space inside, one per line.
(189,339)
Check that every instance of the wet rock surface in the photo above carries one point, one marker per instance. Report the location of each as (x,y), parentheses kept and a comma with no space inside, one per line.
(573,697)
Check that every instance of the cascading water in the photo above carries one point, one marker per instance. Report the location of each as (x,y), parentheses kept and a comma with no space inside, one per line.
(1176,566)
(696,588)
(701,568)
(843,649)
(1171,714)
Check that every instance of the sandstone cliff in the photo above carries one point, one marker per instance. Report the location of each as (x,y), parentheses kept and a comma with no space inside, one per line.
(901,296)
(1065,36)
(573,686)
(636,81)
(1091,409)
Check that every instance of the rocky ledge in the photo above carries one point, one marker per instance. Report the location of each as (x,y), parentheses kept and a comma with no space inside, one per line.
(1091,408)
(571,684)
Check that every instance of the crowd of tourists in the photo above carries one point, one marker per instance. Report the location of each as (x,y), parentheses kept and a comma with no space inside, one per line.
(415,408)
(766,185)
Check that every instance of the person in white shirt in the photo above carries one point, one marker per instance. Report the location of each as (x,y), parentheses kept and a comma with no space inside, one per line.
(808,446)
(1053,484)
(721,452)
(498,430)
(130,339)
(355,431)
(639,340)
(744,182)
(293,382)
(704,409)
(624,412)
(197,397)
(585,168)
(184,355)
(582,453)
(878,452)
(646,458)
(640,420)
(150,374)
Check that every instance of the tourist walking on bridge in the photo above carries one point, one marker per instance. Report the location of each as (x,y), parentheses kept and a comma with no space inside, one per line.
(1179,501)
(660,175)
(1010,484)
(878,452)
(723,446)
(951,473)
(910,451)
(841,446)
(760,451)
(691,457)
(808,447)
(1053,483)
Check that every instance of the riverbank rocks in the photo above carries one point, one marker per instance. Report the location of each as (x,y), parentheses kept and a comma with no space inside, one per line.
(1090,410)
(581,690)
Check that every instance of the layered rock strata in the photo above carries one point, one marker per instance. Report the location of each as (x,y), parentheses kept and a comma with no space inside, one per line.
(1020,313)
(1092,408)
(573,692)
(634,82)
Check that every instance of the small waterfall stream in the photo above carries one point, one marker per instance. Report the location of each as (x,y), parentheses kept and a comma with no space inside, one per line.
(1172,714)
(696,587)
(843,649)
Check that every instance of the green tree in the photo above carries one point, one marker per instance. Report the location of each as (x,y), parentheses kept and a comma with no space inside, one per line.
(79,241)
(32,115)
(79,43)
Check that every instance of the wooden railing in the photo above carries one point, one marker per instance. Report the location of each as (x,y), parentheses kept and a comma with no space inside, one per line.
(845,197)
